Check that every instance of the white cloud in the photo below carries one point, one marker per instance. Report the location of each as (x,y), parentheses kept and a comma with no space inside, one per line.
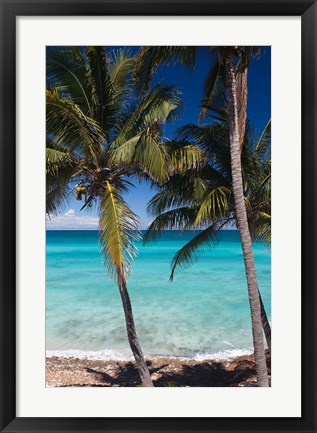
(70,213)
(70,221)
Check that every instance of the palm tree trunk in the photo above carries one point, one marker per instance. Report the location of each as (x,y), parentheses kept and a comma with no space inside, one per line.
(265,323)
(255,306)
(242,95)
(132,335)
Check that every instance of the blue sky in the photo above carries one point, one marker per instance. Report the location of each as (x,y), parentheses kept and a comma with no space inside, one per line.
(190,82)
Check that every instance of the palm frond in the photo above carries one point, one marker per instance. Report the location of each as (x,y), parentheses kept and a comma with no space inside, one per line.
(214,207)
(263,147)
(213,86)
(70,127)
(262,228)
(150,58)
(186,157)
(56,200)
(165,200)
(61,167)
(118,230)
(179,191)
(58,178)
(180,218)
(146,153)
(158,107)
(67,72)
(56,155)
(212,137)
(102,89)
(248,206)
(263,192)
(214,140)
(120,71)
(186,256)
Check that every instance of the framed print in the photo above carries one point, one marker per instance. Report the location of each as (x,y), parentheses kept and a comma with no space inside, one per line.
(157,254)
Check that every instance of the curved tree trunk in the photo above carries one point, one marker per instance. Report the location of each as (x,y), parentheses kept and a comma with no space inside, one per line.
(242,95)
(259,353)
(265,323)
(132,336)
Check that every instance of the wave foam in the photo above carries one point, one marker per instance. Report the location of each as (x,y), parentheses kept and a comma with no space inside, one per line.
(112,355)
(223,355)
(103,355)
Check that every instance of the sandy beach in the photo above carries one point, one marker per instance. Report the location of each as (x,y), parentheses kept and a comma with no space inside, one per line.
(165,372)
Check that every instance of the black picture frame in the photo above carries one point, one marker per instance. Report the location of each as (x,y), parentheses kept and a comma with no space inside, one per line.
(10,9)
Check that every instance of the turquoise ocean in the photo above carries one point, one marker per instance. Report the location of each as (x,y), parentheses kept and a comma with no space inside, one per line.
(203,314)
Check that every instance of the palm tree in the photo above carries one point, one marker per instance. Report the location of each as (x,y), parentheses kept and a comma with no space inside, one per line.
(232,63)
(97,137)
(201,198)
(228,55)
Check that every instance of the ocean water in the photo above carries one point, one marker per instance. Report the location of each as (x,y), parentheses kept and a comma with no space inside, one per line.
(204,313)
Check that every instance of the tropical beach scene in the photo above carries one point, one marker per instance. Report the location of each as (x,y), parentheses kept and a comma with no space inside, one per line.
(158,216)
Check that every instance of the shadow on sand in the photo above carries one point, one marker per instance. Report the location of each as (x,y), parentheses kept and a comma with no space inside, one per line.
(178,373)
